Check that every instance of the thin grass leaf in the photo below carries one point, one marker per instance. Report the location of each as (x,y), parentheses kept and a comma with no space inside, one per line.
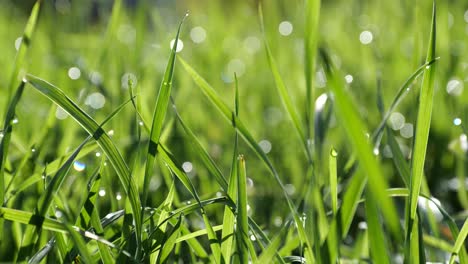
(459,243)
(355,129)
(214,243)
(227,236)
(333,180)
(398,159)
(268,254)
(242,130)
(5,140)
(159,115)
(29,218)
(423,121)
(80,244)
(378,244)
(198,233)
(23,48)
(169,242)
(282,90)
(104,141)
(311,36)
(242,221)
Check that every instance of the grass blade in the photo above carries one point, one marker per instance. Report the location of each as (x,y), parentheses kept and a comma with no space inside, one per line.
(311,35)
(159,114)
(23,48)
(104,141)
(333,180)
(170,241)
(459,242)
(282,90)
(355,129)
(214,243)
(375,233)
(242,221)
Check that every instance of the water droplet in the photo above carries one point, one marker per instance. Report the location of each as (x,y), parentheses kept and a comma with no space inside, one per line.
(397,121)
(102,192)
(376,151)
(252,44)
(60,113)
(455,87)
(98,154)
(18,43)
(253,238)
(187,166)
(33,150)
(464,142)
(219,194)
(2,134)
(43,176)
(362,225)
(198,34)
(407,130)
(285,28)
(278,221)
(265,145)
(457,121)
(79,166)
(349,78)
(110,133)
(189,202)
(95,100)
(126,78)
(320,102)
(58,213)
(333,152)
(140,123)
(235,66)
(366,37)
(15,121)
(180,45)
(250,183)
(74,73)
(290,189)
(428,67)
(118,196)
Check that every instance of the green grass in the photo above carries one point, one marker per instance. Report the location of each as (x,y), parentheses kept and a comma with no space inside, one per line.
(249,141)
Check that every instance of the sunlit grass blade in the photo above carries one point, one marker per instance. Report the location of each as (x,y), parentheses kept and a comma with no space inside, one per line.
(214,243)
(23,48)
(104,141)
(459,242)
(43,252)
(242,221)
(423,121)
(355,130)
(203,154)
(311,36)
(80,244)
(242,130)
(159,114)
(29,218)
(282,90)
(227,235)
(5,140)
(377,243)
(170,241)
(398,159)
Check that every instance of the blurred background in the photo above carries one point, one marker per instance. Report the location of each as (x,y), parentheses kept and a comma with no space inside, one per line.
(373,43)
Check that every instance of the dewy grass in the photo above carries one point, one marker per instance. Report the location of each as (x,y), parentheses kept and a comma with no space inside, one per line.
(162,184)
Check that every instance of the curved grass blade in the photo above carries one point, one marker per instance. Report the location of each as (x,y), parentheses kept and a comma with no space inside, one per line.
(170,241)
(159,115)
(282,90)
(311,35)
(242,130)
(377,242)
(23,48)
(242,222)
(5,140)
(214,243)
(459,242)
(104,141)
(80,244)
(355,130)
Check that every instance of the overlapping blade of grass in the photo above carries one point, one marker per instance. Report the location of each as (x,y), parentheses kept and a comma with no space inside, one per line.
(78,241)
(227,235)
(423,122)
(23,48)
(355,129)
(333,180)
(268,254)
(170,241)
(377,243)
(214,243)
(311,35)
(159,115)
(242,130)
(29,218)
(5,140)
(282,90)
(104,141)
(242,221)
(459,243)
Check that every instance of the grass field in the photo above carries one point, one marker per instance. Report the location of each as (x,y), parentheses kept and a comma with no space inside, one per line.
(233,131)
